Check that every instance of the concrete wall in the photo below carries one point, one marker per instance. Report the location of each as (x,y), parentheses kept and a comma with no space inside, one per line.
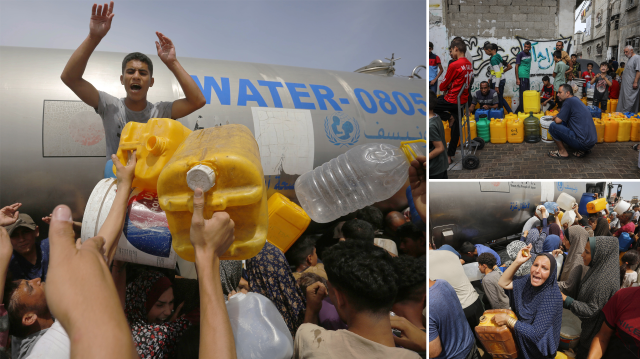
(509,24)
(438,30)
(594,46)
(504,18)
(629,26)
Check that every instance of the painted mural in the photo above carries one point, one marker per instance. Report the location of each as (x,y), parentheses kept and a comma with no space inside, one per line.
(542,61)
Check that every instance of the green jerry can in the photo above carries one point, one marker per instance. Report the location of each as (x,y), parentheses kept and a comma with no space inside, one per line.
(532,129)
(483,127)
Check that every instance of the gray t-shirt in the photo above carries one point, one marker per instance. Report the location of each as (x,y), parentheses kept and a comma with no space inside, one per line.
(115,115)
(496,295)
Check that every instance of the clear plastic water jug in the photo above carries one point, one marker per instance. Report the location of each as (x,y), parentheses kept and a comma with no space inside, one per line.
(566,201)
(364,175)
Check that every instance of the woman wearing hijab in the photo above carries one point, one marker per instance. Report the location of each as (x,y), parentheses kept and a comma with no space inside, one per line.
(537,303)
(554,228)
(601,228)
(615,222)
(588,297)
(575,241)
(536,239)
(149,311)
(551,243)
(269,274)
(513,249)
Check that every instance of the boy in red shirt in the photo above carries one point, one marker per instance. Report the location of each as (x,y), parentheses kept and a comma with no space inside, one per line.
(547,93)
(587,75)
(459,73)
(614,90)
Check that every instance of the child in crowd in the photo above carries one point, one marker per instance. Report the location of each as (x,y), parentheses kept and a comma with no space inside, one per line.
(547,94)
(438,160)
(628,277)
(602,82)
(587,76)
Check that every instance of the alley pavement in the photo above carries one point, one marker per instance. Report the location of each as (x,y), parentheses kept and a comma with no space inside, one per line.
(530,161)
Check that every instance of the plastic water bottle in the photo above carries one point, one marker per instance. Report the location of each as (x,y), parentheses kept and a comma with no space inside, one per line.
(364,175)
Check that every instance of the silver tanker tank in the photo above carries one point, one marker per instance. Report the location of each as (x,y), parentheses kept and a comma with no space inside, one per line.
(483,212)
(52,147)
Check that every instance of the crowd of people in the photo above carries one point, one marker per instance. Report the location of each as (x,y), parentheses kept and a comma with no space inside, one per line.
(587,265)
(353,288)
(572,126)
(335,302)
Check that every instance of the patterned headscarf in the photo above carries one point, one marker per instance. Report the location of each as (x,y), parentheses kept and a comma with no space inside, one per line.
(269,274)
(151,340)
(539,312)
(598,285)
(536,239)
(230,275)
(512,250)
(602,228)
(577,237)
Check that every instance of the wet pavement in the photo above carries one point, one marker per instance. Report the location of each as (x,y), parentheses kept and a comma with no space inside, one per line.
(530,161)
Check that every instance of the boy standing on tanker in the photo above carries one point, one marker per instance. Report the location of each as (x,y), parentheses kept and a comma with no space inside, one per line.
(458,74)
(137,77)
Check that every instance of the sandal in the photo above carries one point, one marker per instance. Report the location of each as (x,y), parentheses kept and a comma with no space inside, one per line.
(580,154)
(556,154)
(635,147)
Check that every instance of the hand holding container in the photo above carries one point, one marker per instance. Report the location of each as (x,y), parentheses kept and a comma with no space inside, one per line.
(231,155)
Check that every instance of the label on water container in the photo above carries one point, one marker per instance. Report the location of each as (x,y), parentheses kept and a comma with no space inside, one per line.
(146,226)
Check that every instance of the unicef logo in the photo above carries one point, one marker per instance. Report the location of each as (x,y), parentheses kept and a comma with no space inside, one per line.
(341,129)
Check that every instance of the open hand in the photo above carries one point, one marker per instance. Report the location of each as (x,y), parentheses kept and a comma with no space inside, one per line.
(9,214)
(556,252)
(411,337)
(166,50)
(100,20)
(432,82)
(212,236)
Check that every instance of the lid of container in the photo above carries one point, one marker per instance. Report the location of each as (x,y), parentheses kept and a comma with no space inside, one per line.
(201,176)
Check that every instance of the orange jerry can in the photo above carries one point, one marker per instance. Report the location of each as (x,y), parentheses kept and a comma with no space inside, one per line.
(599,129)
(497,340)
(225,162)
(154,143)
(611,130)
(287,221)
(447,132)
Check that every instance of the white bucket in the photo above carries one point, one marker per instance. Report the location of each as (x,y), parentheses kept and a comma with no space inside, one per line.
(569,330)
(566,201)
(150,233)
(622,207)
(545,122)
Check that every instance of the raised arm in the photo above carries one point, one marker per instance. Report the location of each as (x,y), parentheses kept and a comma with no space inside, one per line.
(506,280)
(210,239)
(72,74)
(194,99)
(112,226)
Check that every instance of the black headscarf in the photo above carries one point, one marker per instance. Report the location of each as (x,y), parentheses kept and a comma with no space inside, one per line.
(602,228)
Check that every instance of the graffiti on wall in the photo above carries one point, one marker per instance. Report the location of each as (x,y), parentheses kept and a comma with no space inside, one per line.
(541,63)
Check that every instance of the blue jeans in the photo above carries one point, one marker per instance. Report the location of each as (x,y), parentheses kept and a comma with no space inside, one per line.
(560,132)
(501,101)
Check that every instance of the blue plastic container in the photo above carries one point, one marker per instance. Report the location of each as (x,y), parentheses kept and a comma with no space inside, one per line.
(480,112)
(595,111)
(629,114)
(497,113)
(586,198)
(551,207)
